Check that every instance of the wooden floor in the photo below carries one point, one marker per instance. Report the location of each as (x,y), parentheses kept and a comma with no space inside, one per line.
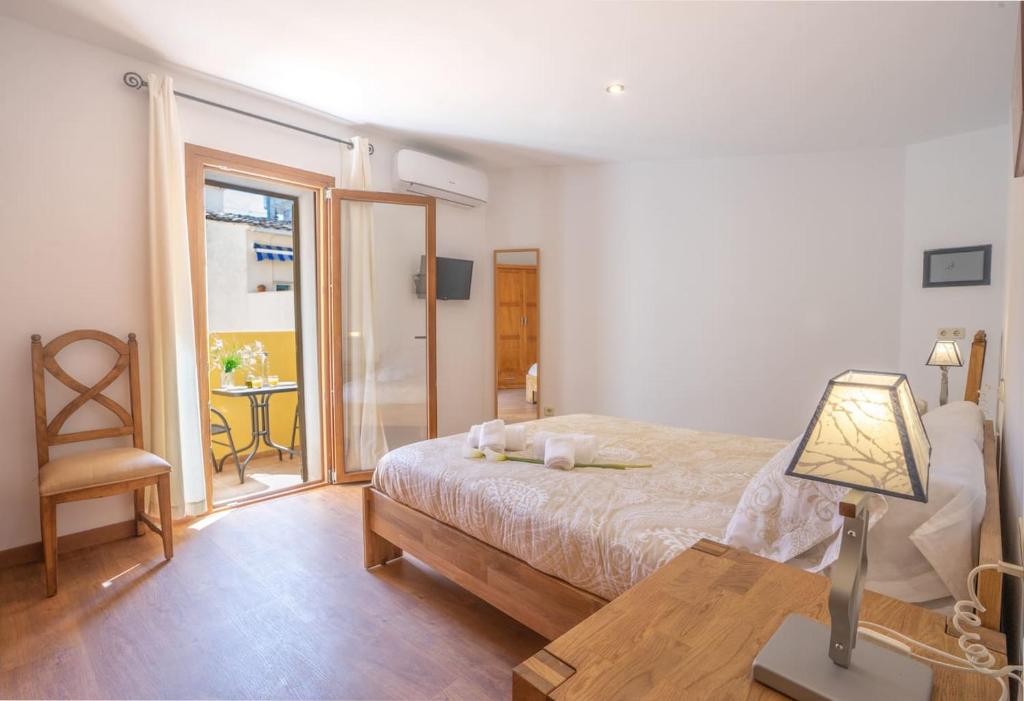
(264,601)
(263,474)
(513,406)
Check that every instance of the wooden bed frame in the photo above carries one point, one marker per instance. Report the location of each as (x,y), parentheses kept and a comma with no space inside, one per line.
(551,606)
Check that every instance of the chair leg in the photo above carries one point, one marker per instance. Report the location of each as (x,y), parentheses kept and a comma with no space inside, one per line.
(140,508)
(234,452)
(217,465)
(48,524)
(163,488)
(295,430)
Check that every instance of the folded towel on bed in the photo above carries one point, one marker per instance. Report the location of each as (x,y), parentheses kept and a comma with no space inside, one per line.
(584,445)
(560,452)
(473,437)
(492,435)
(515,438)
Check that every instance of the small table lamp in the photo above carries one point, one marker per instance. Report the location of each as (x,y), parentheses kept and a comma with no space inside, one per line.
(866,434)
(946,355)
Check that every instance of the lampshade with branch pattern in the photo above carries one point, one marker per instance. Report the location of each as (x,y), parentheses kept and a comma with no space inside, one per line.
(867,434)
(945,354)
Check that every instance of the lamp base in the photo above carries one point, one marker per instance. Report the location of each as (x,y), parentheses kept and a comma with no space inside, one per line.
(795,662)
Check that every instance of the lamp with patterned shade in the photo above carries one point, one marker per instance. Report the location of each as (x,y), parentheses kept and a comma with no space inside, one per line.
(866,434)
(945,355)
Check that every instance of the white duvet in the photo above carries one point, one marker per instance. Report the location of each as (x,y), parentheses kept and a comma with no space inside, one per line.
(600,530)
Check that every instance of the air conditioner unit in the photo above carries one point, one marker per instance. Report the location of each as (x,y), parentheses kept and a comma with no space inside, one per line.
(429,175)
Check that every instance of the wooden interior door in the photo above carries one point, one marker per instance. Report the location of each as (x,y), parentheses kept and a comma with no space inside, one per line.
(516,323)
(509,323)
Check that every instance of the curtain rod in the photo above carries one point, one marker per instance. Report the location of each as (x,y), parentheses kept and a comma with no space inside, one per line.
(136,81)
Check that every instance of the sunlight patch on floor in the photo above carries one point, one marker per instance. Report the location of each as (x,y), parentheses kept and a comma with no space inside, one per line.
(202,523)
(109,582)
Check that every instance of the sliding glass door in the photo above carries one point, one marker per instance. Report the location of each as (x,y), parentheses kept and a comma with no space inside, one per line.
(384,311)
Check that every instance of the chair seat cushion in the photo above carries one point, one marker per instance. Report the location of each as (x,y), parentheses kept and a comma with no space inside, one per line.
(98,467)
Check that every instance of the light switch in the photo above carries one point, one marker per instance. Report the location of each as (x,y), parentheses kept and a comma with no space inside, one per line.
(952,334)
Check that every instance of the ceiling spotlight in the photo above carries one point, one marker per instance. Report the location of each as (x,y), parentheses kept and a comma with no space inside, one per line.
(615,88)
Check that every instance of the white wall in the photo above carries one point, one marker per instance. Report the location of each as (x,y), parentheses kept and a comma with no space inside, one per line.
(716,294)
(73,188)
(1013,391)
(464,354)
(1013,388)
(956,191)
(232,274)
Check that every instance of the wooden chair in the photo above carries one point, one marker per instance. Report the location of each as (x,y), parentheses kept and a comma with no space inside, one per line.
(95,473)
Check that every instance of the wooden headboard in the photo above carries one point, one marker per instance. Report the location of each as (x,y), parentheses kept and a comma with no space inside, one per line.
(975,368)
(990,541)
(990,545)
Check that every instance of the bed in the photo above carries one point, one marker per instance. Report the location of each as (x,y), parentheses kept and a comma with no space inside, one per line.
(601,531)
(549,548)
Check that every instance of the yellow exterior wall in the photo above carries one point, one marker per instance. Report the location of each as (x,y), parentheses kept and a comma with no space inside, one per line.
(280,346)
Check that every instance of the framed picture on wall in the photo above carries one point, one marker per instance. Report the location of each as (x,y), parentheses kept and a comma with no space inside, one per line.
(958,267)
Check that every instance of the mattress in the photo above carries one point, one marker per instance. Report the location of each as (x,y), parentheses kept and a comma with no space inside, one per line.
(600,530)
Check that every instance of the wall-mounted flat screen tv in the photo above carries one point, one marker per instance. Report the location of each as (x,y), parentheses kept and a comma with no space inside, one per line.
(454,278)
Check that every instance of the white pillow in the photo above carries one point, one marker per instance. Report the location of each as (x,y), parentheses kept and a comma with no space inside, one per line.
(964,418)
(783,518)
(923,551)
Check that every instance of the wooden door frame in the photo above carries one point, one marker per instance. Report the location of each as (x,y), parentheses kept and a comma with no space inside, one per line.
(199,159)
(494,321)
(429,205)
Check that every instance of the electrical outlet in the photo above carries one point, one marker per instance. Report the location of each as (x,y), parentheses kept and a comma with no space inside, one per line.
(952,334)
(549,411)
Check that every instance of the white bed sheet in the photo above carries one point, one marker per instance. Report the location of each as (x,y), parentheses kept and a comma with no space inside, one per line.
(601,530)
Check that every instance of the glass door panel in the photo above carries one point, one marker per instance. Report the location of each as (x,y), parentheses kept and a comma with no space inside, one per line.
(386,245)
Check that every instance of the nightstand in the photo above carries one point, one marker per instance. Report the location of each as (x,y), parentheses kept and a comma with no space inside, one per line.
(692,629)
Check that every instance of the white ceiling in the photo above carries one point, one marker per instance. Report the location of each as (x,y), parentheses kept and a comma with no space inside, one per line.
(512,83)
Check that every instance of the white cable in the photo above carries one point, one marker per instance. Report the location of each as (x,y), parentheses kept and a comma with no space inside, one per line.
(902,643)
(977,658)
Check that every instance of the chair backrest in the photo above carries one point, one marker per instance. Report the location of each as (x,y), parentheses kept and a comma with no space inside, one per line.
(44,360)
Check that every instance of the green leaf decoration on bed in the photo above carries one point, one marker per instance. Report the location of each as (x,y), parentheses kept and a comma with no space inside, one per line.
(495,456)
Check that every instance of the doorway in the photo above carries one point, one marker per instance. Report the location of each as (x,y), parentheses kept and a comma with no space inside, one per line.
(254,331)
(259,262)
(517,334)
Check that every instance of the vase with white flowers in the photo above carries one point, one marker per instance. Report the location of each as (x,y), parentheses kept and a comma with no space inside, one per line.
(226,360)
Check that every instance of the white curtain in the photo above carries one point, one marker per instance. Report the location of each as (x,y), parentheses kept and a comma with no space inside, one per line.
(173,391)
(365,442)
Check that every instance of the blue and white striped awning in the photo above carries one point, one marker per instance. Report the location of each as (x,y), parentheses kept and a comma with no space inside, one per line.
(264,251)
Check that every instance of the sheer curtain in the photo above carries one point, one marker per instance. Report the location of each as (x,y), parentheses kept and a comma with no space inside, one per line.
(365,442)
(173,392)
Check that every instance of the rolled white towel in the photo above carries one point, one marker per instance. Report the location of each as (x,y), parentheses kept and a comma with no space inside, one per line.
(515,438)
(473,437)
(492,435)
(560,452)
(539,439)
(585,445)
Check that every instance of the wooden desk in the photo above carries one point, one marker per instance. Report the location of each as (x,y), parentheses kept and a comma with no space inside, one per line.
(692,629)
